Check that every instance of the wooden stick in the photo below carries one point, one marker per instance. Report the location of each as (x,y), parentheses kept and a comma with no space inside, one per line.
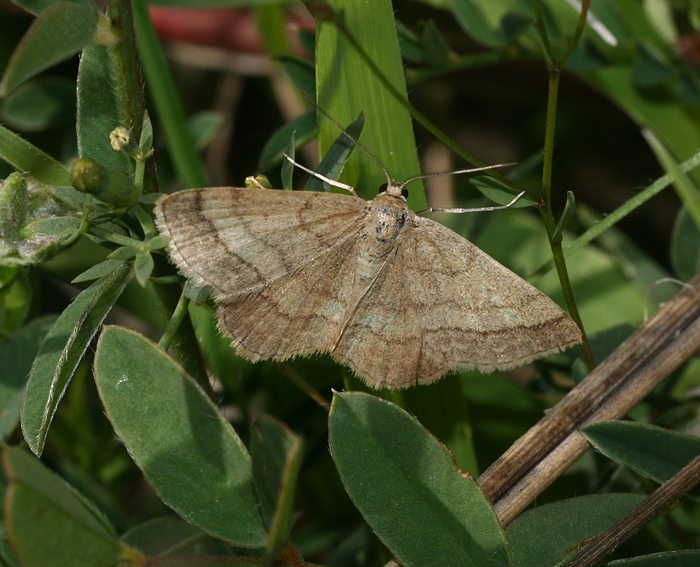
(542,454)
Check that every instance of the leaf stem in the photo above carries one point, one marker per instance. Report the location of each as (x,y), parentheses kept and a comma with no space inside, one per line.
(179,313)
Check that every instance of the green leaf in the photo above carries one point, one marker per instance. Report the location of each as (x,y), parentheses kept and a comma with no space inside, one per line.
(435,48)
(651,451)
(49,523)
(7,555)
(15,208)
(26,157)
(543,535)
(276,454)
(648,70)
(143,267)
(97,271)
(59,227)
(37,6)
(44,103)
(15,300)
(185,448)
(204,126)
(410,44)
(685,246)
(498,192)
(405,484)
(302,74)
(61,352)
(122,253)
(72,198)
(16,357)
(158,242)
(57,34)
(347,83)
(272,27)
(337,156)
(470,16)
(304,127)
(163,535)
(97,111)
(513,25)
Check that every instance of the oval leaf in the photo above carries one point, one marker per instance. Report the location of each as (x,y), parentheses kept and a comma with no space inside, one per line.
(50,523)
(543,535)
(37,105)
(175,434)
(61,352)
(405,484)
(653,452)
(58,33)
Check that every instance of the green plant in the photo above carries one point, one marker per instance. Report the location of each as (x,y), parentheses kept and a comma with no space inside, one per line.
(85,216)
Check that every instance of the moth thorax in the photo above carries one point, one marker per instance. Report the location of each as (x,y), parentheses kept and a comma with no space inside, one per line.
(394,189)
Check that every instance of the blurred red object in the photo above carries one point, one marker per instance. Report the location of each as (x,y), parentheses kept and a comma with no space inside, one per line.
(234,29)
(689,48)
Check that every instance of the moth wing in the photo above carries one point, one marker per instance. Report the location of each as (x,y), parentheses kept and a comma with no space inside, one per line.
(295,315)
(440,305)
(240,240)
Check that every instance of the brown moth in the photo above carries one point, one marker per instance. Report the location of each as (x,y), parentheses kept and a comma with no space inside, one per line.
(400,299)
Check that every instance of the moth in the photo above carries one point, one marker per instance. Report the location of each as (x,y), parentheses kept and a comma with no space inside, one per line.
(399,299)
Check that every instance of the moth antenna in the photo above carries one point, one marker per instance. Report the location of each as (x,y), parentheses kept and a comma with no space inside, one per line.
(323,178)
(474,210)
(457,172)
(364,148)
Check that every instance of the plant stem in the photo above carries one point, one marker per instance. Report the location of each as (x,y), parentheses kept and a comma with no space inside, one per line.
(179,334)
(126,71)
(555,241)
(179,313)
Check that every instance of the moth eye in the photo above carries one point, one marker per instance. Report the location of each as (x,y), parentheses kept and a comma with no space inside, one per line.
(382,188)
(404,193)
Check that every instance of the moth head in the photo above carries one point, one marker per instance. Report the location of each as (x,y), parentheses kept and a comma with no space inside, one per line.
(394,189)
